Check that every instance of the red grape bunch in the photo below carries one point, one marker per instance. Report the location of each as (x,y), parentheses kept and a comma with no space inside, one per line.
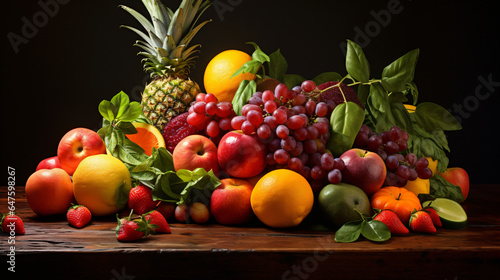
(390,145)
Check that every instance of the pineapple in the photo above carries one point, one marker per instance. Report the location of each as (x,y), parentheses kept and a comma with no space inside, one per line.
(168,57)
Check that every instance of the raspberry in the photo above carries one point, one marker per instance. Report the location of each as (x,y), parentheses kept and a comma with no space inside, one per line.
(176,130)
(335,95)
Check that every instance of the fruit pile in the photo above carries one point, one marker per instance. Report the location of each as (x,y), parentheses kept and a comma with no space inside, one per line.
(256,145)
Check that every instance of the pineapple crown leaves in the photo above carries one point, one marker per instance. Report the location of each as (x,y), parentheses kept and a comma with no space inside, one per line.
(165,46)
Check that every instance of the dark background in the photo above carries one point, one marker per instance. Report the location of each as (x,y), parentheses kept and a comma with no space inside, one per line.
(78,56)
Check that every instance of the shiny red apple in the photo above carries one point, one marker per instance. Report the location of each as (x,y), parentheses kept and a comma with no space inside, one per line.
(49,163)
(241,155)
(76,145)
(230,202)
(457,176)
(196,151)
(364,169)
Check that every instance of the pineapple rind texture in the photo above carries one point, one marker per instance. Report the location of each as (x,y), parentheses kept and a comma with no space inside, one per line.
(164,98)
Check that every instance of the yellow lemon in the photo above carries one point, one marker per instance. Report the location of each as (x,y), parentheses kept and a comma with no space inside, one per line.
(217,78)
(102,183)
(282,198)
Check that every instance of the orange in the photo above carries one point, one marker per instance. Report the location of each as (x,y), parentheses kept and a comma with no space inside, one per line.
(147,136)
(217,78)
(282,198)
(418,186)
(102,183)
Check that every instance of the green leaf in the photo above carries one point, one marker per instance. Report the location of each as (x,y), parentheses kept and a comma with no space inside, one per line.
(277,65)
(345,122)
(121,102)
(105,110)
(442,188)
(356,63)
(291,80)
(327,77)
(396,75)
(131,112)
(243,94)
(379,107)
(349,232)
(431,116)
(251,66)
(126,127)
(122,195)
(375,230)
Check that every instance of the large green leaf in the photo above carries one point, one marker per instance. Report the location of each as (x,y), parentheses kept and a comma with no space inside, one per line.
(396,75)
(356,63)
(345,122)
(432,116)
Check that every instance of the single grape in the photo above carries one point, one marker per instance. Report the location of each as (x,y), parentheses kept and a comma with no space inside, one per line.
(306,119)
(212,129)
(425,173)
(317,173)
(264,131)
(322,127)
(250,107)
(237,121)
(268,95)
(327,161)
(295,122)
(391,147)
(298,109)
(225,124)
(270,106)
(270,159)
(199,107)
(210,97)
(255,101)
(308,86)
(395,133)
(401,182)
(404,136)
(421,163)
(280,92)
(402,145)
(274,145)
(312,132)
(211,108)
(300,134)
(365,129)
(385,136)
(383,155)
(331,106)
(361,139)
(390,179)
(310,146)
(200,97)
(403,171)
(257,94)
(321,109)
(299,99)
(195,119)
(335,176)
(411,158)
(392,162)
(288,143)
(247,127)
(374,142)
(224,109)
(282,131)
(295,164)
(304,157)
(280,115)
(310,107)
(315,159)
(413,174)
(255,118)
(338,164)
(271,122)
(281,156)
(299,149)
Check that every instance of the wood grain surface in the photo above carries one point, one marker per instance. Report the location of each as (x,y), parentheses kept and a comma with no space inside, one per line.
(58,251)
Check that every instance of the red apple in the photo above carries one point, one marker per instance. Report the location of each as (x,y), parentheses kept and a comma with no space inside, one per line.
(49,191)
(49,163)
(76,145)
(241,155)
(457,176)
(196,151)
(364,169)
(230,202)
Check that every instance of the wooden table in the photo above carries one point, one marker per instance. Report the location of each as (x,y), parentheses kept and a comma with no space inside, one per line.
(52,249)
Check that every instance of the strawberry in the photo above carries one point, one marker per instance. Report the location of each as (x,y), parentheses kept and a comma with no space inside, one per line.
(12,222)
(131,230)
(78,216)
(434,216)
(176,130)
(421,221)
(155,217)
(140,200)
(392,221)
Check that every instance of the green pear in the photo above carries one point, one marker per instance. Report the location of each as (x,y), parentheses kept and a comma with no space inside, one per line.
(341,202)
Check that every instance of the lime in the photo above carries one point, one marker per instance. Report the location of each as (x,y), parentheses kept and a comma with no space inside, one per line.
(451,213)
